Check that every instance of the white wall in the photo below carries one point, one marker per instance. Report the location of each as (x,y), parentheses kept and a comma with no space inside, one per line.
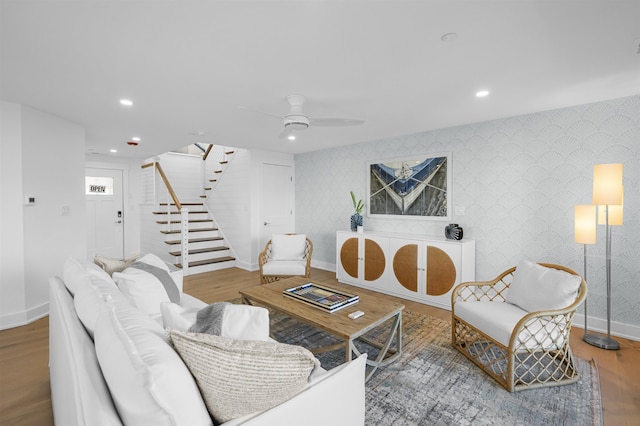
(51,169)
(12,291)
(517,180)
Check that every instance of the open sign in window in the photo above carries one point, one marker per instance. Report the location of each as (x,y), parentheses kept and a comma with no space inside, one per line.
(95,185)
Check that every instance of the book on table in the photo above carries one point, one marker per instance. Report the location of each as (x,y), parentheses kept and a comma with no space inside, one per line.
(321,297)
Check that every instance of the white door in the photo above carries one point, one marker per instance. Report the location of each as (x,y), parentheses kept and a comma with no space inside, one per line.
(105,213)
(277,201)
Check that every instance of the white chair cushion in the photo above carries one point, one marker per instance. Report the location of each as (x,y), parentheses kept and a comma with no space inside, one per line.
(288,247)
(538,288)
(147,379)
(498,320)
(285,267)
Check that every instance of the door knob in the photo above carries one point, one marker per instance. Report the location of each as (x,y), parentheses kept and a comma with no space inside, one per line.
(267,223)
(118,221)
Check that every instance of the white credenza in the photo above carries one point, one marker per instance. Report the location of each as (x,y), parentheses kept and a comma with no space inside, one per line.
(424,269)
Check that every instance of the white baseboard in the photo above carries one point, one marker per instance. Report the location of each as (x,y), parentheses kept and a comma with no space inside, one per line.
(17,319)
(599,325)
(323,265)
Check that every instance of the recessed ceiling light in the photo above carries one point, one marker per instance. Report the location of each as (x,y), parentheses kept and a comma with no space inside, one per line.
(482,93)
(126,102)
(449,37)
(113,150)
(135,138)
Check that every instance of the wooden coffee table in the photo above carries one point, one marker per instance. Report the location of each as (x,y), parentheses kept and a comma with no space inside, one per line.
(338,324)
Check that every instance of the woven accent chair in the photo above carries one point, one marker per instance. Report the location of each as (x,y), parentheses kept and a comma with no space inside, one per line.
(520,348)
(276,264)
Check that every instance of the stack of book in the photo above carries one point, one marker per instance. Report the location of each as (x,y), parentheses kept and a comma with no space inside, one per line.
(324,298)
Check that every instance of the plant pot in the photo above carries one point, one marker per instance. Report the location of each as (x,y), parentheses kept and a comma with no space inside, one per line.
(356,220)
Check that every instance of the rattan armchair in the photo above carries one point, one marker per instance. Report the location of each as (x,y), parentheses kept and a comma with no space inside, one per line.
(272,270)
(537,352)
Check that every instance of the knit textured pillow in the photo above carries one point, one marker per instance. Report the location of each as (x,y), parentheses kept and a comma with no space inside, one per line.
(239,377)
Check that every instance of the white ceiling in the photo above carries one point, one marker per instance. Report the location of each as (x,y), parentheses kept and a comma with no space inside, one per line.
(209,66)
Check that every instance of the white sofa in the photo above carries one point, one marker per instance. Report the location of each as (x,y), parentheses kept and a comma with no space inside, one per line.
(81,396)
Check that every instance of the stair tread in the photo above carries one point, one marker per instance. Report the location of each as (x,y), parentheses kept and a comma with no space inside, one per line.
(184,204)
(177,212)
(194,240)
(198,251)
(178,231)
(164,222)
(207,261)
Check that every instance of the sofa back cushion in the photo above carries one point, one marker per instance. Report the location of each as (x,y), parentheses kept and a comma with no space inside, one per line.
(147,379)
(538,288)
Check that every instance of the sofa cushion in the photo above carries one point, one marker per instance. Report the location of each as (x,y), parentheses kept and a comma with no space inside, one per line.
(538,288)
(243,322)
(74,275)
(90,298)
(147,379)
(288,247)
(238,377)
(176,317)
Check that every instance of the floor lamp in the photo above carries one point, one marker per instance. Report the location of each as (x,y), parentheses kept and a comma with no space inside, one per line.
(608,194)
(585,233)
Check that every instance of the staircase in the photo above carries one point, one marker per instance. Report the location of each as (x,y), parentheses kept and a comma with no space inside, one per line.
(206,247)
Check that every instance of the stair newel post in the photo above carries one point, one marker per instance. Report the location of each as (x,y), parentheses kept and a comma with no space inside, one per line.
(184,221)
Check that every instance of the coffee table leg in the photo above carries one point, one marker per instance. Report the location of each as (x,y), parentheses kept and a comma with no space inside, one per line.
(382,360)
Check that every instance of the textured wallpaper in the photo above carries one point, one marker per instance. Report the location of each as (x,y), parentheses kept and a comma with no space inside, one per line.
(516,180)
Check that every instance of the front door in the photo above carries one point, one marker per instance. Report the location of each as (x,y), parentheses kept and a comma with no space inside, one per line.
(105,213)
(277,201)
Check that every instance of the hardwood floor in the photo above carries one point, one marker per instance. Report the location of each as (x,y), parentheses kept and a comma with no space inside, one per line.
(24,378)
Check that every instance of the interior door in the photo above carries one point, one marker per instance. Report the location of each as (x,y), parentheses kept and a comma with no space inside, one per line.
(277,201)
(105,213)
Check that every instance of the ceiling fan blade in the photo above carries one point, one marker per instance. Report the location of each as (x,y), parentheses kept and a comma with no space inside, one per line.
(334,122)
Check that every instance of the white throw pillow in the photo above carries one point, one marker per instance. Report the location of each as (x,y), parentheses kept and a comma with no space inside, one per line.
(244,322)
(538,288)
(177,317)
(148,381)
(288,247)
(143,289)
(238,377)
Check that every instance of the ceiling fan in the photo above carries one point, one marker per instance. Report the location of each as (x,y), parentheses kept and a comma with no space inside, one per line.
(296,120)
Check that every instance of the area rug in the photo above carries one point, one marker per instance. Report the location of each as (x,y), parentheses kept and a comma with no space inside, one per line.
(433,384)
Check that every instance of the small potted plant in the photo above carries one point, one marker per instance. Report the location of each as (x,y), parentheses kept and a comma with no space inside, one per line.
(356,218)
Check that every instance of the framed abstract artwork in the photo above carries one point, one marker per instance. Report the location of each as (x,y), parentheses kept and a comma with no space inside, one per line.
(412,187)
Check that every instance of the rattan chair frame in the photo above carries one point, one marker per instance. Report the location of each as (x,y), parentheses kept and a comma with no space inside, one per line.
(265,255)
(528,362)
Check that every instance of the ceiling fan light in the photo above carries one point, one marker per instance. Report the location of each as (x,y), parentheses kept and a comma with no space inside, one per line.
(291,137)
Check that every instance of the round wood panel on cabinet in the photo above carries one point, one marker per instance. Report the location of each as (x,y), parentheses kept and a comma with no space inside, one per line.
(374,260)
(405,266)
(349,257)
(441,272)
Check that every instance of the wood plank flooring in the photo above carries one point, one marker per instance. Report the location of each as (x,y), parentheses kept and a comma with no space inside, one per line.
(24,379)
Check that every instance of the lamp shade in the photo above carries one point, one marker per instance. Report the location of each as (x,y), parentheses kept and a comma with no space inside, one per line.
(585,224)
(607,184)
(615,213)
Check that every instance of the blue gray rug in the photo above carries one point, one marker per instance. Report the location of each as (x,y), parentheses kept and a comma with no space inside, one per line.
(433,384)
